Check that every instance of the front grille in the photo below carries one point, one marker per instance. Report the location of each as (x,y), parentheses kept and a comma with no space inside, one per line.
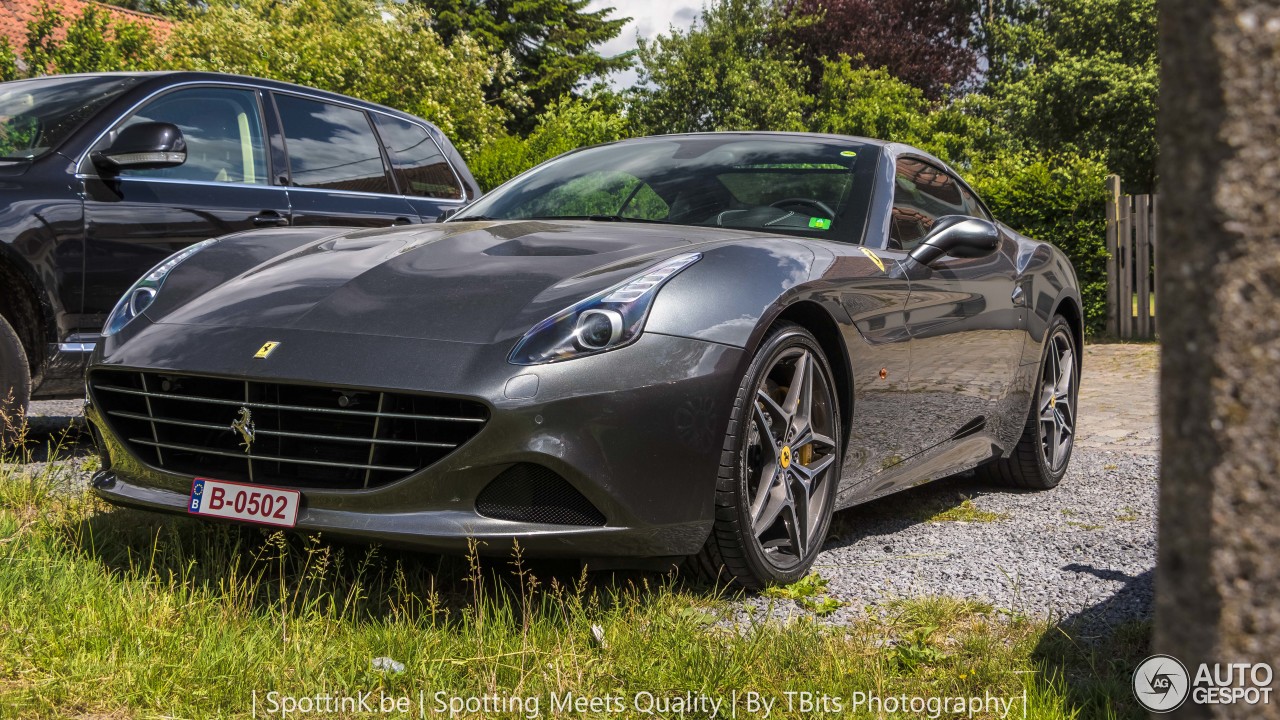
(532,493)
(303,435)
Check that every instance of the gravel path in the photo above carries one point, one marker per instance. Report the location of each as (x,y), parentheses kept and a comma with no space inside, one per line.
(1083,552)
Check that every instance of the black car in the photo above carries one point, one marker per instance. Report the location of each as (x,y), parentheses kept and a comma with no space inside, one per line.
(103,176)
(696,345)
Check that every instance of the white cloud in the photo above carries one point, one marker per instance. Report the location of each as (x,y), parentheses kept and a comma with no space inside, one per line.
(648,18)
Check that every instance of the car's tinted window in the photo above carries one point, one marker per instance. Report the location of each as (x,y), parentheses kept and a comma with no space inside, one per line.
(420,167)
(922,193)
(786,185)
(331,146)
(37,115)
(223,130)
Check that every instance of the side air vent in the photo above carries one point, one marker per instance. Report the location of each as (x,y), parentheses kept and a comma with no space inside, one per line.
(531,493)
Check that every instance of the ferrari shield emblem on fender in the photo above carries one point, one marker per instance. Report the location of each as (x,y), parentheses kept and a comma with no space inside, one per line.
(874,258)
(266,349)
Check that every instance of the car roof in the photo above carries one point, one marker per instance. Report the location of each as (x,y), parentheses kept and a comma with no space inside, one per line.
(165,77)
(889,146)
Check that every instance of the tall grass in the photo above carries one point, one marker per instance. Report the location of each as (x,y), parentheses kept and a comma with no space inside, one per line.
(108,612)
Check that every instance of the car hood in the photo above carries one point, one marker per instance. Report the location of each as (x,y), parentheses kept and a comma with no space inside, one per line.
(475,282)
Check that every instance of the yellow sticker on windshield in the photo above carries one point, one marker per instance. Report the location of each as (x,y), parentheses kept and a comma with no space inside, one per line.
(874,258)
(849,153)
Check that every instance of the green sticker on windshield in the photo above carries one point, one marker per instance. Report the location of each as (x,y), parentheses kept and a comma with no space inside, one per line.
(819,223)
(849,153)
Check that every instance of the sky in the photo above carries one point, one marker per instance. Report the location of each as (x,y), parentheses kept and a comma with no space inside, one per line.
(648,18)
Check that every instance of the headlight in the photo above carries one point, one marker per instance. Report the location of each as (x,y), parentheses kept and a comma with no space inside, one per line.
(138,298)
(605,321)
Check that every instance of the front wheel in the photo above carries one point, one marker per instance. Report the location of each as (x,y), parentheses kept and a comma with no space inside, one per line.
(1041,456)
(779,467)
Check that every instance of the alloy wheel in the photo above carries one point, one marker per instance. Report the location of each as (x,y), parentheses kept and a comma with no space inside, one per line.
(1057,401)
(789,457)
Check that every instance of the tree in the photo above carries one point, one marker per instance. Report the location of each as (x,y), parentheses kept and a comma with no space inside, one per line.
(721,74)
(925,43)
(552,42)
(1081,77)
(387,54)
(177,9)
(8,62)
(91,42)
(569,123)
(873,103)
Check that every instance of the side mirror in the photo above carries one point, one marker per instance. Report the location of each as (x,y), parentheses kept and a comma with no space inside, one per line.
(959,236)
(446,214)
(144,146)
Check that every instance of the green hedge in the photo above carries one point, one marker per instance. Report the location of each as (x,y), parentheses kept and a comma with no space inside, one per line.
(1058,199)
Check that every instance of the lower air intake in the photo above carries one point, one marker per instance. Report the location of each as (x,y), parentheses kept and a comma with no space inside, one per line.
(531,493)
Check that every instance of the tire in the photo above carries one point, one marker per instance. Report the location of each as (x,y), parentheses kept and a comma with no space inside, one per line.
(15,380)
(1033,465)
(768,538)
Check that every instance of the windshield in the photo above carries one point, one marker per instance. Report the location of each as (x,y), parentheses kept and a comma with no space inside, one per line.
(37,115)
(794,185)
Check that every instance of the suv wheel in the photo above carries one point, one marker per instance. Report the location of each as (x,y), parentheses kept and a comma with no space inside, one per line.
(15,380)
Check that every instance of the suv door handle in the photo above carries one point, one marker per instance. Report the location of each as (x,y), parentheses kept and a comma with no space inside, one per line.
(270,218)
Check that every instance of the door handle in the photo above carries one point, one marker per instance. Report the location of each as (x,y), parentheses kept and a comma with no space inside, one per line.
(270,218)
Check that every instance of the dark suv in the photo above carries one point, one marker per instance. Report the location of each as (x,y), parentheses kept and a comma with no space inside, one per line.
(103,176)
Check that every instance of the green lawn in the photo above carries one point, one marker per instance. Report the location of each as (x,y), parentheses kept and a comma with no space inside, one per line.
(110,613)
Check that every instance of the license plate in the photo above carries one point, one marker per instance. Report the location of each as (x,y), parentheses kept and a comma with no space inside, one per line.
(250,503)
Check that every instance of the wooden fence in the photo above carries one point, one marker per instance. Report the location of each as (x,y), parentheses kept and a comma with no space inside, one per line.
(1131,244)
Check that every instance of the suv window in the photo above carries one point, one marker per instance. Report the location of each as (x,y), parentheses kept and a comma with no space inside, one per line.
(331,147)
(922,193)
(421,169)
(37,115)
(223,130)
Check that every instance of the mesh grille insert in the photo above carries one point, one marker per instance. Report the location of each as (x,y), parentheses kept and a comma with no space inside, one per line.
(531,493)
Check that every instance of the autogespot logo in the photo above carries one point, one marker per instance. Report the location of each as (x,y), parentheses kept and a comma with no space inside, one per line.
(1161,683)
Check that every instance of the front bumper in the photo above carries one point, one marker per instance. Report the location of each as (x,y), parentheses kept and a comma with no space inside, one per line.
(638,431)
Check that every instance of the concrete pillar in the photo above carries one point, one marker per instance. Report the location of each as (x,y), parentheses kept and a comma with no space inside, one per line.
(1218,578)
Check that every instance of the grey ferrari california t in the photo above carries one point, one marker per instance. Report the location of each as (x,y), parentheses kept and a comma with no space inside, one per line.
(691,346)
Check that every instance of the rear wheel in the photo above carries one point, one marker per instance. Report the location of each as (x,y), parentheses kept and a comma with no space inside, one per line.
(15,380)
(1042,454)
(779,467)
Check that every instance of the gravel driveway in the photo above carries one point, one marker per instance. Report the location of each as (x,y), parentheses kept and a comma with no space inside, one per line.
(1083,552)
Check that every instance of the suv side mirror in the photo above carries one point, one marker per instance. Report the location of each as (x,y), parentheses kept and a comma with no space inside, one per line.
(959,236)
(144,146)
